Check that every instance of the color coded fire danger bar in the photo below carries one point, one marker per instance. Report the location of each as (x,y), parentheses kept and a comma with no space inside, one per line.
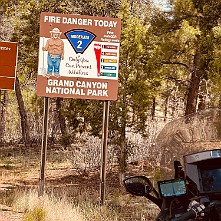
(109,67)
(109,60)
(106,74)
(110,47)
(109,54)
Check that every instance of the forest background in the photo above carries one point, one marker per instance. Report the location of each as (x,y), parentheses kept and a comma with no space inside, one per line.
(169,67)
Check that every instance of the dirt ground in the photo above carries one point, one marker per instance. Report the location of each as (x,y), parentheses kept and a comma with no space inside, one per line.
(56,179)
(59,178)
(19,168)
(7,214)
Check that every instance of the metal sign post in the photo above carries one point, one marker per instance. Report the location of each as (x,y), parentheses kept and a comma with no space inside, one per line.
(44,147)
(104,151)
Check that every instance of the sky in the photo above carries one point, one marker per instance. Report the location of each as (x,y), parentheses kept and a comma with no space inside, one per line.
(161,3)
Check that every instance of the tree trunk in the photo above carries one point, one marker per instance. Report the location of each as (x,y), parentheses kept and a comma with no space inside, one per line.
(66,138)
(1,13)
(219,101)
(153,109)
(1,117)
(3,107)
(166,107)
(123,152)
(192,95)
(23,114)
(61,118)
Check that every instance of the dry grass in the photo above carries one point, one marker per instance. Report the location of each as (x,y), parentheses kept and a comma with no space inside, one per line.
(52,208)
(46,208)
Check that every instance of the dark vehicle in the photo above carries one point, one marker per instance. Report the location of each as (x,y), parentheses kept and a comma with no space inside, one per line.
(193,194)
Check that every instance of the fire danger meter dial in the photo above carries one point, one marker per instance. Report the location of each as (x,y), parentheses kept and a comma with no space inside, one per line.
(80,39)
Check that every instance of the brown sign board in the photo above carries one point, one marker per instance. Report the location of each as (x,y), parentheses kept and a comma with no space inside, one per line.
(8,61)
(78,56)
(77,87)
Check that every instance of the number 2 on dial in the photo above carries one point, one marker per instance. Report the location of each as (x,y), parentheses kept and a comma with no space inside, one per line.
(79,44)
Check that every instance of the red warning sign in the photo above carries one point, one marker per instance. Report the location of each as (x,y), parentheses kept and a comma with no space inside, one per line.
(8,62)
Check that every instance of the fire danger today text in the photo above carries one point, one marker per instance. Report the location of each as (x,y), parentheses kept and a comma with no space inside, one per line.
(82,88)
(80,21)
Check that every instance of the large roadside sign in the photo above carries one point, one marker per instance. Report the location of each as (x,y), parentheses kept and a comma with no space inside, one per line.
(8,62)
(78,56)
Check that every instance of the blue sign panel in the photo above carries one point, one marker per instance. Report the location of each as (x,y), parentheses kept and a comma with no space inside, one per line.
(109,67)
(80,39)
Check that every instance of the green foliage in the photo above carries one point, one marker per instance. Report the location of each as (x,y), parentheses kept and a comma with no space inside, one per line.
(66,140)
(37,214)
(186,46)
(74,111)
(108,8)
(135,92)
(7,166)
(209,12)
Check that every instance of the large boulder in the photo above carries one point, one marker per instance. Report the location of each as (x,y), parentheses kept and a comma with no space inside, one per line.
(192,133)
